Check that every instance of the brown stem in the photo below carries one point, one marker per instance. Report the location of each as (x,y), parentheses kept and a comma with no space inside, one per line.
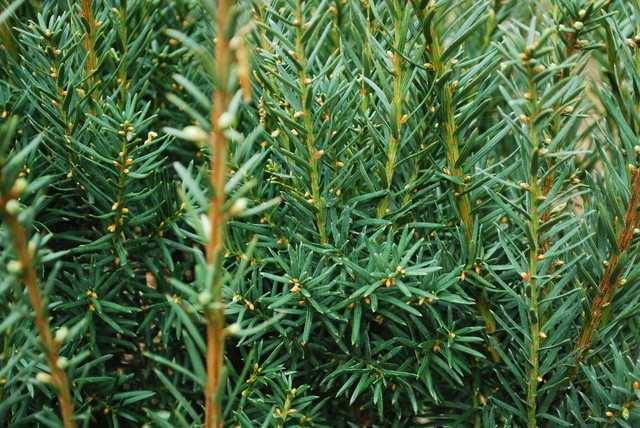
(90,40)
(608,284)
(7,40)
(50,348)
(218,145)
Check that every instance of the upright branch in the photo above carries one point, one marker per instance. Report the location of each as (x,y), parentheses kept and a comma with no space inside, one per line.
(26,266)
(450,141)
(123,34)
(314,155)
(90,41)
(537,194)
(215,246)
(573,44)
(397,118)
(611,281)
(122,164)
(460,199)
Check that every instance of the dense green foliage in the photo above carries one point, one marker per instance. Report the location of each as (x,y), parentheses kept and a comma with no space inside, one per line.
(431,218)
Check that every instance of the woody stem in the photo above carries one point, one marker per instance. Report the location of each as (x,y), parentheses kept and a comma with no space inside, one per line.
(215,246)
(50,348)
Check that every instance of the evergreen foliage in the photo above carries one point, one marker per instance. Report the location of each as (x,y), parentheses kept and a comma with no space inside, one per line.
(319,213)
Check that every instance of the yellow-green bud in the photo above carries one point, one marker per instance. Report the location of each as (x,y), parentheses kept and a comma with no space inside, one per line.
(61,335)
(19,187)
(234,329)
(239,205)
(206,224)
(195,133)
(62,363)
(14,267)
(226,120)
(13,207)
(205,298)
(43,377)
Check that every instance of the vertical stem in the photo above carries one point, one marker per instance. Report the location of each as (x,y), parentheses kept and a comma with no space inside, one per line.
(90,40)
(534,326)
(314,155)
(122,67)
(50,348)
(463,204)
(366,59)
(215,246)
(119,206)
(550,178)
(532,271)
(608,284)
(460,200)
(396,119)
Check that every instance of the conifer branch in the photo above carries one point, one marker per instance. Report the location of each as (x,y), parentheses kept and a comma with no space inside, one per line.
(462,202)
(610,282)
(396,114)
(90,42)
(123,33)
(460,199)
(550,176)
(217,143)
(535,194)
(533,378)
(313,154)
(27,270)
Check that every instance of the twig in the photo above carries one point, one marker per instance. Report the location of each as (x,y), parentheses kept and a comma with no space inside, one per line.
(609,284)
(462,204)
(532,271)
(396,116)
(313,154)
(26,260)
(215,246)
(89,42)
